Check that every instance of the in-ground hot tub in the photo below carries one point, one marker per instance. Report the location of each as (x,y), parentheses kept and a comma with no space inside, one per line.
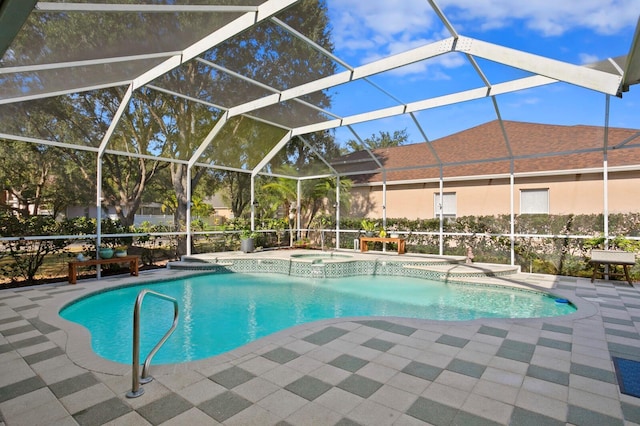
(320,256)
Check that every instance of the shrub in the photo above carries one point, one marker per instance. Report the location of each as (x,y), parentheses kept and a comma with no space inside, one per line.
(28,255)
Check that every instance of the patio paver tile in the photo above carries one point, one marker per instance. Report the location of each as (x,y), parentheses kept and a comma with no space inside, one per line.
(102,413)
(583,416)
(308,387)
(224,406)
(164,408)
(359,385)
(522,417)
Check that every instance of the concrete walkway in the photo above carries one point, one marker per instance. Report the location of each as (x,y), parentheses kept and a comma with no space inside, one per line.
(366,371)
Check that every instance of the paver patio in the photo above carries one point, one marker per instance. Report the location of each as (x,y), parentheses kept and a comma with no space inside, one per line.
(367,371)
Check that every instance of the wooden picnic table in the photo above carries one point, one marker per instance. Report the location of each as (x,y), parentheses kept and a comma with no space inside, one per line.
(73,266)
(399,241)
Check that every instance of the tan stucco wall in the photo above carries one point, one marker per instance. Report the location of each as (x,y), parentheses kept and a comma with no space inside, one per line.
(578,194)
(624,192)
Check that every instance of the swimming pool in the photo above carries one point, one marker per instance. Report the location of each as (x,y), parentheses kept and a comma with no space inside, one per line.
(221,312)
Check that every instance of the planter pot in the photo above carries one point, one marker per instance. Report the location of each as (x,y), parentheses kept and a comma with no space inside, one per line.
(106,253)
(394,235)
(369,233)
(247,245)
(120,253)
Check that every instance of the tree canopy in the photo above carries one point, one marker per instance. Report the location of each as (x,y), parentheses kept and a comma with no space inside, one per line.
(383,139)
(163,121)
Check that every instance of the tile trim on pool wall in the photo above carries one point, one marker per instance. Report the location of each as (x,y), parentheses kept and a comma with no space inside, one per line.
(335,269)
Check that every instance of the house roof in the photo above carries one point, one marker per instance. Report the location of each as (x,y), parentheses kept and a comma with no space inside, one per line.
(487,149)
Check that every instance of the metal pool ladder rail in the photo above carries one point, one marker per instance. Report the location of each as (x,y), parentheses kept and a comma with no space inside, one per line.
(137,379)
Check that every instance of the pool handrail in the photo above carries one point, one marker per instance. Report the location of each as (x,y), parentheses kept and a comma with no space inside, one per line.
(137,379)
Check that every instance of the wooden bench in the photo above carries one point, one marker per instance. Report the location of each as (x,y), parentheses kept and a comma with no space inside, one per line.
(399,241)
(73,266)
(612,257)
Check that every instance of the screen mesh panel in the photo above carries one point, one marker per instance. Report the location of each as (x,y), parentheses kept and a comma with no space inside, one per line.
(55,37)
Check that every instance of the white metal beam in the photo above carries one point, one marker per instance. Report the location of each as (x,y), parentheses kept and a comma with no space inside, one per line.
(504,176)
(47,142)
(426,139)
(114,122)
(219,167)
(265,160)
(13,15)
(580,76)
(317,154)
(366,148)
(311,43)
(263,86)
(221,108)
(632,66)
(262,12)
(443,18)
(85,63)
(62,92)
(141,8)
(626,141)
(386,64)
(374,115)
(207,140)
(145,156)
(468,95)
(405,58)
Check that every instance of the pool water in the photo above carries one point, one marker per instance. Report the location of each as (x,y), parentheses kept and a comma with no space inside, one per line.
(221,312)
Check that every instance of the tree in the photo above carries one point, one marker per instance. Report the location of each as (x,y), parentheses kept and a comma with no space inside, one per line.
(162,124)
(28,255)
(382,140)
(236,190)
(37,175)
(25,174)
(314,196)
(263,54)
(325,191)
(125,179)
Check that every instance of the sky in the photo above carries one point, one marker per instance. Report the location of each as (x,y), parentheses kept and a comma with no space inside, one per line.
(577,32)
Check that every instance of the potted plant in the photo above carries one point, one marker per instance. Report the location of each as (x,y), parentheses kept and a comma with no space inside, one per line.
(369,227)
(105,252)
(120,251)
(247,240)
(302,243)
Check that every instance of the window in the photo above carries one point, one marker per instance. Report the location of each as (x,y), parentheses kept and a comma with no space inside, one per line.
(449,205)
(534,201)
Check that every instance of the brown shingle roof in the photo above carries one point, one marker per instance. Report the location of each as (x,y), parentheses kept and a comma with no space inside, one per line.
(550,146)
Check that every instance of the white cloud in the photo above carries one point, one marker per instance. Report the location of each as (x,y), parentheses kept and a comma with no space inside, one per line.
(365,30)
(586,58)
(549,17)
(383,23)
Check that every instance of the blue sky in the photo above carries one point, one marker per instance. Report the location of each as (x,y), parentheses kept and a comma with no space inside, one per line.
(578,32)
